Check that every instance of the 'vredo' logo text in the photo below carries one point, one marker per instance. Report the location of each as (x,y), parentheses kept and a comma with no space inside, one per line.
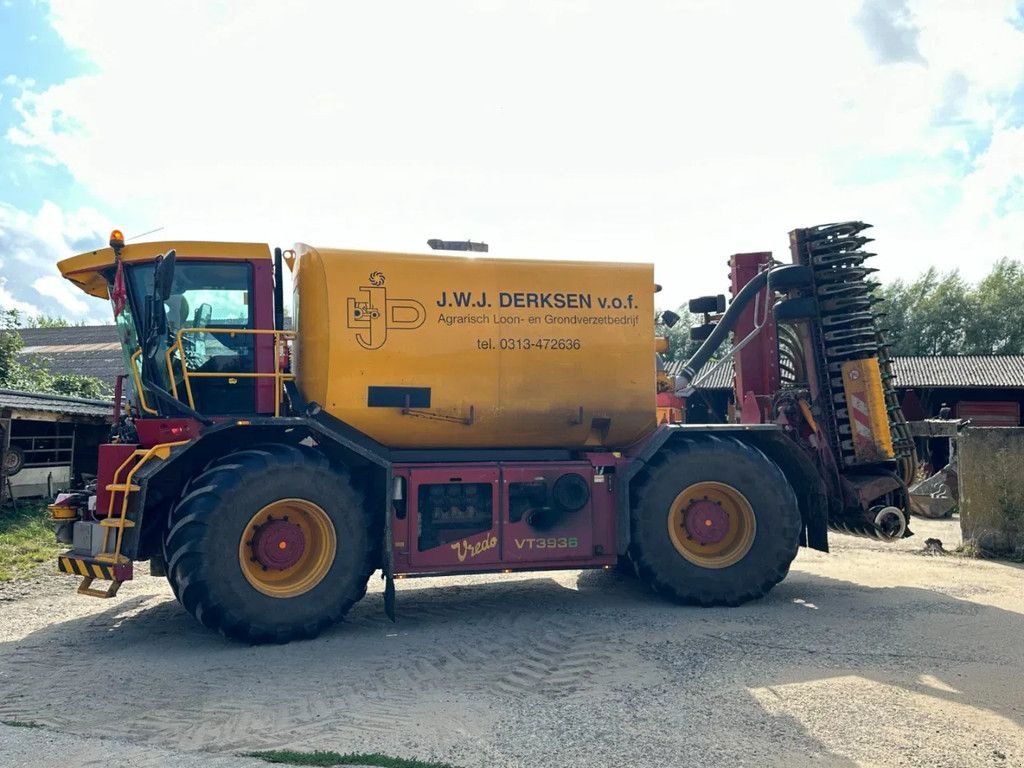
(373,313)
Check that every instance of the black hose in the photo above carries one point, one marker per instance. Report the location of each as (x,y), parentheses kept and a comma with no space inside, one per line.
(732,315)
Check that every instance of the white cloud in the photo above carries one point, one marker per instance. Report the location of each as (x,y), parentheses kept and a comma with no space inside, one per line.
(19,82)
(31,245)
(667,132)
(7,301)
(61,291)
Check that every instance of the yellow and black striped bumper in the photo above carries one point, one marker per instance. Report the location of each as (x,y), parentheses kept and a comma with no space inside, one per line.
(85,566)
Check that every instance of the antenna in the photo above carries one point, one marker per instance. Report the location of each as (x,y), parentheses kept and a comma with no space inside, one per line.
(142,234)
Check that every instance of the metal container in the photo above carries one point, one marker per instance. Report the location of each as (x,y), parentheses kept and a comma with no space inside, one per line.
(448,351)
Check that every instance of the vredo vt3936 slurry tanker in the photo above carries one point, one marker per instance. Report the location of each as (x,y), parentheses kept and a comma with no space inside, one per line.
(437,414)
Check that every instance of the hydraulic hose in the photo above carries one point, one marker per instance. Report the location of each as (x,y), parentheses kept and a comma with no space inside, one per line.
(789,275)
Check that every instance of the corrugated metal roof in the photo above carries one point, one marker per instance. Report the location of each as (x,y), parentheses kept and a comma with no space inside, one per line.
(72,406)
(721,378)
(88,350)
(961,372)
(69,348)
(945,371)
(72,334)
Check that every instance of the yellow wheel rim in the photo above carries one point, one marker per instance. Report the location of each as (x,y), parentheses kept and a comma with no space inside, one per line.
(287,548)
(712,525)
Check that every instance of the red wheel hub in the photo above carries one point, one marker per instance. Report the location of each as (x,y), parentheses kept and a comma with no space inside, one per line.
(278,544)
(706,522)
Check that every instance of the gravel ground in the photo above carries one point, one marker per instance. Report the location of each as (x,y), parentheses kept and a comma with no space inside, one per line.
(873,655)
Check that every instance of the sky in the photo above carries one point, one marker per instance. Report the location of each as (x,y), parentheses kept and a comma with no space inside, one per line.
(668,132)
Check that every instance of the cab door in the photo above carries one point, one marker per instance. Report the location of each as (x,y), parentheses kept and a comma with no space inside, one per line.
(209,310)
(453,517)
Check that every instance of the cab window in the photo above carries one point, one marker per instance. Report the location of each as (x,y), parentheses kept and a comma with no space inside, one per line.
(209,302)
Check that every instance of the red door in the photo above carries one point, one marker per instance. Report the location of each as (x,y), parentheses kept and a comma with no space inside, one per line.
(453,517)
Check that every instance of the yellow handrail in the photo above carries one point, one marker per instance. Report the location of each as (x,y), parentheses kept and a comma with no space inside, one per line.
(113,479)
(279,376)
(159,451)
(169,361)
(138,383)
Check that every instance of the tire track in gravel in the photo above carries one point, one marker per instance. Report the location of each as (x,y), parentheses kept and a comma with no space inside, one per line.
(488,640)
(561,660)
(550,670)
(178,685)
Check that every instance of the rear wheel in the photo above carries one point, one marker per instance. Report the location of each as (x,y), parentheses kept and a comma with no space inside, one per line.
(269,545)
(714,522)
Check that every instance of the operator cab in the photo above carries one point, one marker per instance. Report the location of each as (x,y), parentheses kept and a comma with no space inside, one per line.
(196,323)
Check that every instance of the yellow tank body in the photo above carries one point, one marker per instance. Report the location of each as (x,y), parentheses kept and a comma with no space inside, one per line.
(436,351)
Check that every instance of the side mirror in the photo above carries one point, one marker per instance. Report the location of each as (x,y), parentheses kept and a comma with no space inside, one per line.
(163,277)
(156,326)
(708,304)
(203,315)
(156,316)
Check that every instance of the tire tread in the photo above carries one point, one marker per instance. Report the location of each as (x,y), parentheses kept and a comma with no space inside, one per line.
(205,494)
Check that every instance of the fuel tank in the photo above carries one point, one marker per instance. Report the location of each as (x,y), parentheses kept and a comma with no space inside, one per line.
(438,351)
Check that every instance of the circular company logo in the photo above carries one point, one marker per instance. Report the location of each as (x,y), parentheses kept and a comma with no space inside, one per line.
(377,279)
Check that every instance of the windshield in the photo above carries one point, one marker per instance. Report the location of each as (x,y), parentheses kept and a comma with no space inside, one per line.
(207,303)
(129,338)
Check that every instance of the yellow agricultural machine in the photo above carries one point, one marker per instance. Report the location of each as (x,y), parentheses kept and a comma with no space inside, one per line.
(439,414)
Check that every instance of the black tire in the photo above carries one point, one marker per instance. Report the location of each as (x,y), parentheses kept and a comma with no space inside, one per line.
(707,304)
(701,332)
(13,461)
(746,469)
(207,524)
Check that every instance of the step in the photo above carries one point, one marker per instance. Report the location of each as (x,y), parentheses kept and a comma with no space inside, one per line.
(111,558)
(122,487)
(116,522)
(86,588)
(95,567)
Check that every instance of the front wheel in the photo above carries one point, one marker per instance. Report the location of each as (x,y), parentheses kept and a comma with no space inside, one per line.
(269,545)
(714,522)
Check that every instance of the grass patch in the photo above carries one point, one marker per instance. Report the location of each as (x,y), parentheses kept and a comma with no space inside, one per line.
(20,724)
(971,549)
(319,758)
(26,539)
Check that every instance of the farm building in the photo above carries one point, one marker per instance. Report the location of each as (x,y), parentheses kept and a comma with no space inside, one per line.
(49,441)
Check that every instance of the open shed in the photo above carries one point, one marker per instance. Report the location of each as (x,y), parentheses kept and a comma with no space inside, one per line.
(49,441)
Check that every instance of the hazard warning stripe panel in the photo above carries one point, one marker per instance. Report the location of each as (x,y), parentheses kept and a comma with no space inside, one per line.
(865,402)
(79,567)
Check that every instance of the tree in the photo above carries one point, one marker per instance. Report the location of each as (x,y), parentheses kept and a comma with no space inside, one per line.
(997,312)
(46,321)
(942,314)
(32,374)
(10,344)
(680,347)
